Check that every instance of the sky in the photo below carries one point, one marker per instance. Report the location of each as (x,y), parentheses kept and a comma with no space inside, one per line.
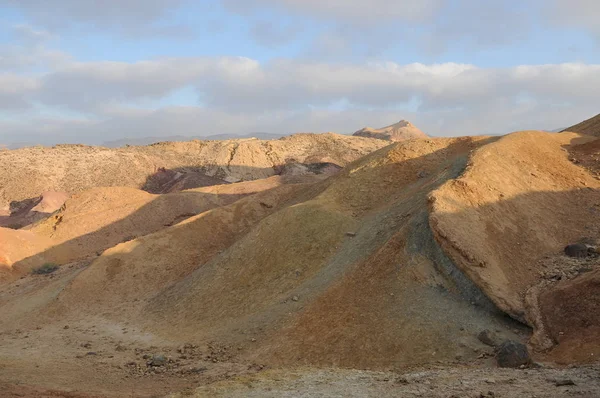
(90,71)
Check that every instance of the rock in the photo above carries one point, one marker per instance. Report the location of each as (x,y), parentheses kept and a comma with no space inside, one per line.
(577,250)
(351,234)
(295,298)
(488,338)
(564,382)
(199,369)
(401,380)
(422,174)
(512,354)
(157,360)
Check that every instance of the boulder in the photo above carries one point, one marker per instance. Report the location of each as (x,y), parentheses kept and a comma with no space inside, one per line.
(512,354)
(488,338)
(157,360)
(577,250)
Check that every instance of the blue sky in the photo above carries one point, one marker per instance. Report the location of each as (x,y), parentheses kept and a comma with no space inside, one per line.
(88,71)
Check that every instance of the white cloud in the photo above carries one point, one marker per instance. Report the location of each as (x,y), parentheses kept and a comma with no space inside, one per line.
(29,34)
(479,24)
(359,28)
(29,50)
(241,95)
(574,14)
(237,83)
(132,17)
(273,34)
(428,26)
(86,85)
(16,91)
(358,10)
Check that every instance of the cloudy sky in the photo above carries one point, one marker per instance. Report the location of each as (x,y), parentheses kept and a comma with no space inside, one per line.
(90,71)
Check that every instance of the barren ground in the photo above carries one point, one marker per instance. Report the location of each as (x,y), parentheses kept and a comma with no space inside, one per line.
(376,281)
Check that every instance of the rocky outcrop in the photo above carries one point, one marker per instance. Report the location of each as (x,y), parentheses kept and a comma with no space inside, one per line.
(401,131)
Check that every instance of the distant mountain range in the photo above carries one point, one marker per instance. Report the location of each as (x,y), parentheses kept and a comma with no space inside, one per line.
(399,131)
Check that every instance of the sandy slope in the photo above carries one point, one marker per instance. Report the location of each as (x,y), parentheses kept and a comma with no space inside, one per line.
(94,220)
(22,247)
(273,272)
(155,261)
(513,204)
(519,201)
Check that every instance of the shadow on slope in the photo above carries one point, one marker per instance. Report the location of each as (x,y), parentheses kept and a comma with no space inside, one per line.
(492,234)
(185,178)
(26,212)
(524,240)
(345,274)
(521,200)
(97,219)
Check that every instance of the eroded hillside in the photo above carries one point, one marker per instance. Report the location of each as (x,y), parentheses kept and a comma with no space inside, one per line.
(74,168)
(405,258)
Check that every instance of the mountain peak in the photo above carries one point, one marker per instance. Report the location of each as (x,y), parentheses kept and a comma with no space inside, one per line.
(401,131)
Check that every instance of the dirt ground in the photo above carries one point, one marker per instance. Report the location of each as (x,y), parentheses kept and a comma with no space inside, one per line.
(102,360)
(435,383)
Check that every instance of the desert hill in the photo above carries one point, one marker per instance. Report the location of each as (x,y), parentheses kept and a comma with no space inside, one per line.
(403,130)
(254,256)
(28,172)
(94,220)
(511,208)
(422,253)
(590,126)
